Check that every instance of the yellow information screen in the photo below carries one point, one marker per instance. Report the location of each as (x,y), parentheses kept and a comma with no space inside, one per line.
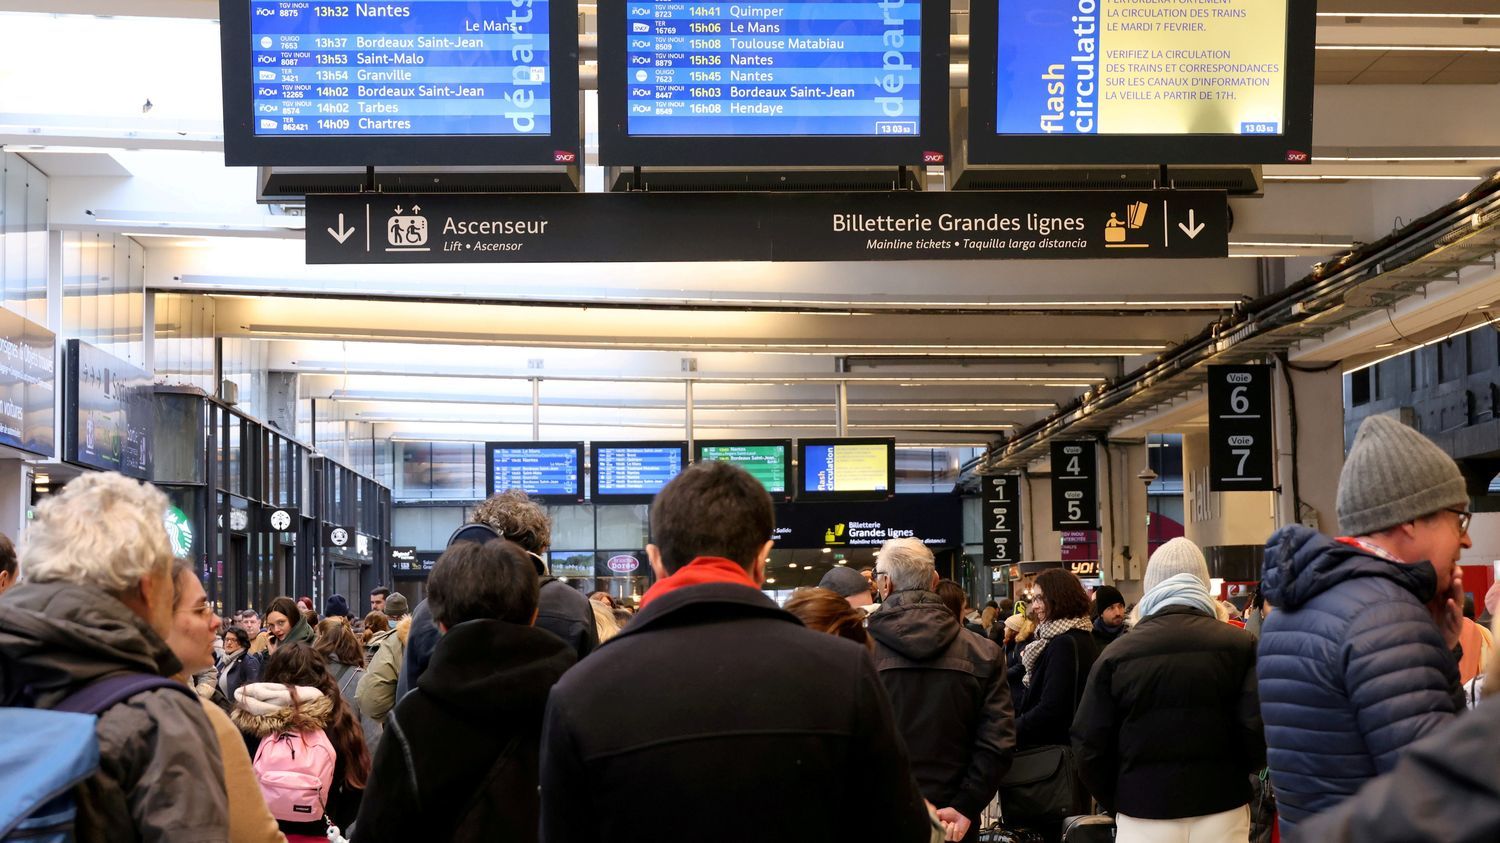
(855,467)
(1141,67)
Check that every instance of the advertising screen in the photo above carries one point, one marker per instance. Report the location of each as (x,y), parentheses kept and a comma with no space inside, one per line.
(871,72)
(300,70)
(632,472)
(110,412)
(541,469)
(768,461)
(27,379)
(847,468)
(1232,70)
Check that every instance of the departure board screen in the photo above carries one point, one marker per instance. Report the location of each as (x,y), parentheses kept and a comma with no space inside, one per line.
(540,469)
(413,67)
(1141,67)
(623,470)
(767,462)
(847,468)
(774,68)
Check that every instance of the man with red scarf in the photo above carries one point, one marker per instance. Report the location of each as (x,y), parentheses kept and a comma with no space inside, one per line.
(715,714)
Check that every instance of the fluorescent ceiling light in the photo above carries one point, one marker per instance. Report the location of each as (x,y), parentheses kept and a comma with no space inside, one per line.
(1384,177)
(1405,48)
(1397,159)
(1424,15)
(1444,338)
(1292,245)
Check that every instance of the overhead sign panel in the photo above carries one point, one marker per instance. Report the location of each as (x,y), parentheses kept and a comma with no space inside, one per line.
(1002,518)
(791,82)
(27,379)
(1075,486)
(1227,81)
(1241,437)
(403,75)
(551,471)
(633,472)
(545,228)
(110,414)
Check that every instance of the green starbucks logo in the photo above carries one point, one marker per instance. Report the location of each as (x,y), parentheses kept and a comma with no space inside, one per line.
(179,532)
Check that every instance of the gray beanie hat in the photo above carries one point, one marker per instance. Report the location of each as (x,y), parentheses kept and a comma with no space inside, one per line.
(1178,556)
(396,605)
(1393,475)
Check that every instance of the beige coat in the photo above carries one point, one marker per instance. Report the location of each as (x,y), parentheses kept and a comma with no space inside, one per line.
(250,821)
(376,693)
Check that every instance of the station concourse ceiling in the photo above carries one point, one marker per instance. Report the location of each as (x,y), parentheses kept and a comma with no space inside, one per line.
(1408,116)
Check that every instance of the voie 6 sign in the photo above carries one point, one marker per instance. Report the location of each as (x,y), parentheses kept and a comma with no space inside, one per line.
(1241,450)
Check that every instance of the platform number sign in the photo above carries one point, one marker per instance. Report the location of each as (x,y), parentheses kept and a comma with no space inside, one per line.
(1002,519)
(1075,490)
(1241,447)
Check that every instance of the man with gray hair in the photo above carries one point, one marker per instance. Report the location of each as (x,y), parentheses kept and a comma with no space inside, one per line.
(90,623)
(947,688)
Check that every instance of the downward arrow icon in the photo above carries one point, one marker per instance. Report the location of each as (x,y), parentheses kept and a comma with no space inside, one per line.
(1192,229)
(343,234)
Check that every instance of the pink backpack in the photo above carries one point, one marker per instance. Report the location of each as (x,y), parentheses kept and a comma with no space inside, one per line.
(295,771)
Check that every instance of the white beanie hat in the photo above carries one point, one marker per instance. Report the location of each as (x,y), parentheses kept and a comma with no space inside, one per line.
(1178,556)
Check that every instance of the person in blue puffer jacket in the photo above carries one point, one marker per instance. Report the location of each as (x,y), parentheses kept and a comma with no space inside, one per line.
(1357,659)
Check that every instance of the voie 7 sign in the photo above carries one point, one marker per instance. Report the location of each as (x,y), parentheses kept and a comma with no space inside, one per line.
(1241,446)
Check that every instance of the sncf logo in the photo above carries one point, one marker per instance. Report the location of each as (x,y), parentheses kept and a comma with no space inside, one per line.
(932,158)
(561,157)
(1295,156)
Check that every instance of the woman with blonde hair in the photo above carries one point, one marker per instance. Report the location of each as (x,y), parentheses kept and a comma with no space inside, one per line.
(604,620)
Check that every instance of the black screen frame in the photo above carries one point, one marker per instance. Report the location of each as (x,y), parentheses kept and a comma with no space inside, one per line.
(72,407)
(1292,146)
(243,148)
(629,498)
(788,476)
(618,148)
(890,468)
(489,469)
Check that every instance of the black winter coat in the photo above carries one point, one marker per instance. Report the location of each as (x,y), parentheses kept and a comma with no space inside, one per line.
(1045,714)
(950,697)
(1169,726)
(710,696)
(1352,668)
(459,756)
(1446,787)
(561,610)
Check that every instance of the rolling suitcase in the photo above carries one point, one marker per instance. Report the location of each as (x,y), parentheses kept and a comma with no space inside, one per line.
(1089,828)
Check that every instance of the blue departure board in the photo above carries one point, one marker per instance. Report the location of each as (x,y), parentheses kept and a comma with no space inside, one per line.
(390,69)
(635,470)
(542,470)
(774,68)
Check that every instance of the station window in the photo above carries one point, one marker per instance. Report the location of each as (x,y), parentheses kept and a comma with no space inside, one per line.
(1359,387)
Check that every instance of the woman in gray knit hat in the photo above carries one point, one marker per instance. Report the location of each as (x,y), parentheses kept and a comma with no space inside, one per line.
(1358,661)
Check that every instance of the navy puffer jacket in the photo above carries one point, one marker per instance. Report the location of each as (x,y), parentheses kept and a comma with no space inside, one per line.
(1352,668)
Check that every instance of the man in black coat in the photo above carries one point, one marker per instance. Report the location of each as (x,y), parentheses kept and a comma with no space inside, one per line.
(562,611)
(717,716)
(459,756)
(947,687)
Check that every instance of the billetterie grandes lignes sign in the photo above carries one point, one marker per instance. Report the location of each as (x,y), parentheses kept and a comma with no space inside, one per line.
(542,228)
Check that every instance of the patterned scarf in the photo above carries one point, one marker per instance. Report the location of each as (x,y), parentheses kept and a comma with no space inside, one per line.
(1045,633)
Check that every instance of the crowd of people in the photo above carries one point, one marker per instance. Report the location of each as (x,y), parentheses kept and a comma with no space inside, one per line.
(879,705)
